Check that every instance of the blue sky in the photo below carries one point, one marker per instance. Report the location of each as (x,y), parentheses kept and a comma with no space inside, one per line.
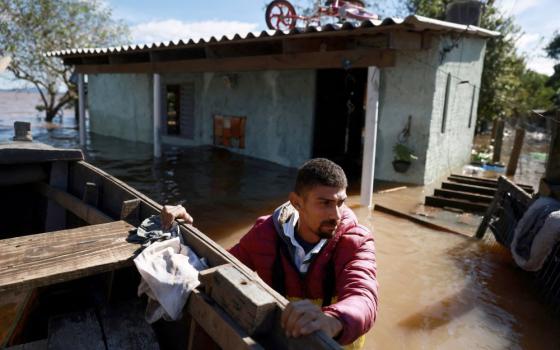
(164,20)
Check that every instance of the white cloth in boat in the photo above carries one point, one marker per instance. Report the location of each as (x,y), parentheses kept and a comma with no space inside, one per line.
(536,234)
(169,273)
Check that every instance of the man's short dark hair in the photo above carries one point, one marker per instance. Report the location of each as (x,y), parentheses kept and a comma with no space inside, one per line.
(317,172)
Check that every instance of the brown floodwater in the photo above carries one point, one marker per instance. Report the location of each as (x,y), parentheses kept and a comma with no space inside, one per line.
(437,290)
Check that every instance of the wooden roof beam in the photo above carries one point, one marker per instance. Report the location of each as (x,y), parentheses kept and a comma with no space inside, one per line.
(312,60)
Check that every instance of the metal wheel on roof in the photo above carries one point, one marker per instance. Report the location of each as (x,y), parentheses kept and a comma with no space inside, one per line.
(281,15)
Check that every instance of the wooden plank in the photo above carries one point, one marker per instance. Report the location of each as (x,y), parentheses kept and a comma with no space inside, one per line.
(91,194)
(504,186)
(225,332)
(130,211)
(12,309)
(73,204)
(455,186)
(126,328)
(473,197)
(53,257)
(443,202)
(490,181)
(498,141)
(308,60)
(21,174)
(76,331)
(35,152)
(516,151)
(474,182)
(248,304)
(56,214)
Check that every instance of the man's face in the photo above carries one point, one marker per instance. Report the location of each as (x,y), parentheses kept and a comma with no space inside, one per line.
(320,209)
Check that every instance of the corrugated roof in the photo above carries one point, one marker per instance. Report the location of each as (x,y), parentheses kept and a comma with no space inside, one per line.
(413,22)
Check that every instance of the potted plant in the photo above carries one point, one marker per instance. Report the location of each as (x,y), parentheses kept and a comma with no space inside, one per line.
(403,157)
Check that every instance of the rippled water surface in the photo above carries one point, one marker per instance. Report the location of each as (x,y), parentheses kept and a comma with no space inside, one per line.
(438,290)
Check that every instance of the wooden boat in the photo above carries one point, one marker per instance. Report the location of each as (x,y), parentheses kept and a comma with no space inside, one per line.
(67,278)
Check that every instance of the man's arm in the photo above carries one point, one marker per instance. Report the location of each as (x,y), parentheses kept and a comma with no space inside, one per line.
(357,287)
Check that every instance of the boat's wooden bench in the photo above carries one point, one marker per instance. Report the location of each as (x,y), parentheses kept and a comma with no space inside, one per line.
(47,258)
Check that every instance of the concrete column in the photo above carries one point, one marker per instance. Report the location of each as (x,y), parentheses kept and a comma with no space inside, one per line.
(81,109)
(370,138)
(157,115)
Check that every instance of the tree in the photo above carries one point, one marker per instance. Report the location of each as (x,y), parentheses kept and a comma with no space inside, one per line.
(553,51)
(30,28)
(503,67)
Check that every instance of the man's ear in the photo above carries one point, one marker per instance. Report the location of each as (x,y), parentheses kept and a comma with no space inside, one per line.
(296,200)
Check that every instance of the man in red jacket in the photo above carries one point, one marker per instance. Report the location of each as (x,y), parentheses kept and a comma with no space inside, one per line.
(313,251)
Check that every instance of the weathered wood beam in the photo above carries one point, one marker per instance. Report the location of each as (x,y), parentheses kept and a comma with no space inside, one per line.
(468,188)
(73,204)
(225,332)
(313,60)
(248,304)
(473,197)
(504,186)
(21,174)
(53,257)
(443,202)
(483,182)
(405,40)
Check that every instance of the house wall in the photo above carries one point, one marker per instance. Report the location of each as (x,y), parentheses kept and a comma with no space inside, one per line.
(448,151)
(415,87)
(121,105)
(279,108)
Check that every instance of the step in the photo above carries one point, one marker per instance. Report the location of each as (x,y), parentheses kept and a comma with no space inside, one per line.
(465,205)
(473,197)
(455,186)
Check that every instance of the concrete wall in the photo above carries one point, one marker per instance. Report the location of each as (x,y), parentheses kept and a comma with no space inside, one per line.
(279,107)
(120,105)
(448,151)
(416,87)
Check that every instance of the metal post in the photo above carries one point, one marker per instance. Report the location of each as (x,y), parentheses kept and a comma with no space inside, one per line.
(370,138)
(81,109)
(157,115)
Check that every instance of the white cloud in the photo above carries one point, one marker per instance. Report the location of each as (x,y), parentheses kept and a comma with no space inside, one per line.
(515,7)
(541,64)
(172,29)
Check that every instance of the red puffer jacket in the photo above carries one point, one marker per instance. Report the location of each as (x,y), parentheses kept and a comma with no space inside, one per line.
(353,257)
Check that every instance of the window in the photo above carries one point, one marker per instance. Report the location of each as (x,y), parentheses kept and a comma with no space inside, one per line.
(173,103)
(446,103)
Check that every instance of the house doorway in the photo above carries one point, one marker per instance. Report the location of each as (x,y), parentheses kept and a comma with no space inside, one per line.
(340,117)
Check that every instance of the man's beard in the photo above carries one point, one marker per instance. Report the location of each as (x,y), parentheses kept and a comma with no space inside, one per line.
(327,229)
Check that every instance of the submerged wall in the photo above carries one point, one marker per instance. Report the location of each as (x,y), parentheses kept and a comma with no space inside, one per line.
(120,105)
(279,108)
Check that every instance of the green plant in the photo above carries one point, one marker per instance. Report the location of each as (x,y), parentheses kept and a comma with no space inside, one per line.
(403,153)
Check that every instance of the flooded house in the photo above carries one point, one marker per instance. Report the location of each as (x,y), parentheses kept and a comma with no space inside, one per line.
(348,92)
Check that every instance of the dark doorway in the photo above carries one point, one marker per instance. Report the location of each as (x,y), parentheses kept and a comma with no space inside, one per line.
(339,117)
(173,109)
